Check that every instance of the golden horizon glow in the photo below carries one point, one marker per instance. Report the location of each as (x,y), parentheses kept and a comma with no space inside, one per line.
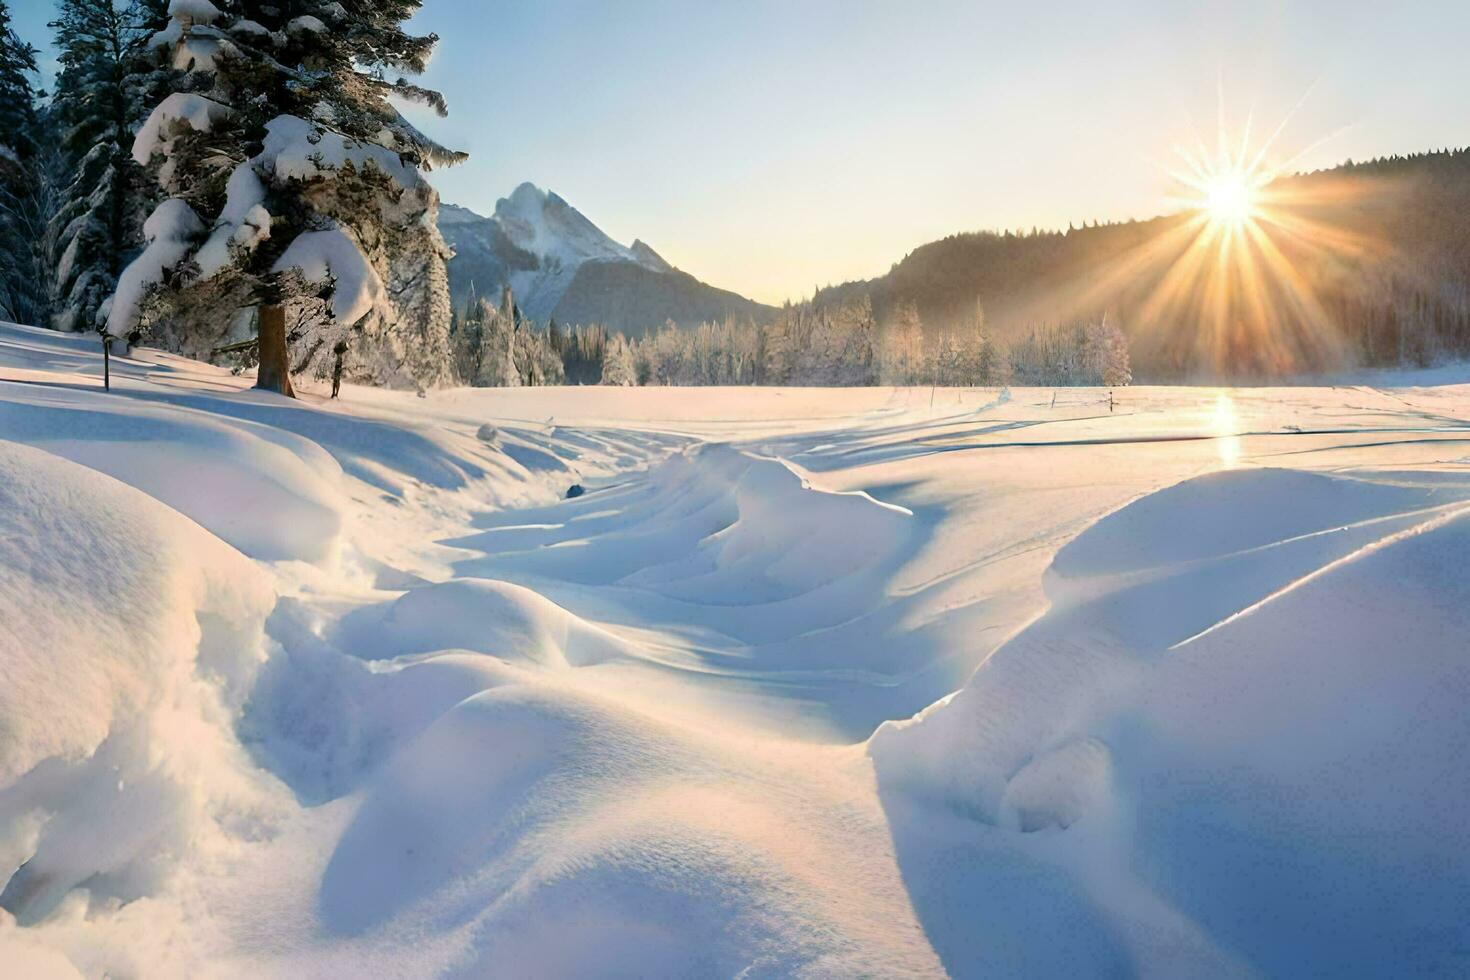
(1230,285)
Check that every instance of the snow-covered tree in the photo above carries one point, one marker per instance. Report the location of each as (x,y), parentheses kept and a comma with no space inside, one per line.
(618,367)
(903,347)
(105,195)
(321,229)
(497,367)
(25,202)
(1106,353)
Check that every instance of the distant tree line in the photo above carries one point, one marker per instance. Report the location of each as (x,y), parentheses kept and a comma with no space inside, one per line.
(844,346)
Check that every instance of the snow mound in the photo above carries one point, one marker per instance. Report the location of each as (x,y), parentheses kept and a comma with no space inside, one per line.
(273,495)
(586,835)
(1245,710)
(721,529)
(508,621)
(128,639)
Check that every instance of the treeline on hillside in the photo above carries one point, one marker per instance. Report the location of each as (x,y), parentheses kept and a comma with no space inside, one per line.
(805,346)
(1363,264)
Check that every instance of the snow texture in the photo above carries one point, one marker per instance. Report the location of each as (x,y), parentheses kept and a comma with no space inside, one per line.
(241,226)
(872,682)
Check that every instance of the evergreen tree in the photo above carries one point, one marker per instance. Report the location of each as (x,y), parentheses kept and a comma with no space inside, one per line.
(105,196)
(903,347)
(618,367)
(280,128)
(25,202)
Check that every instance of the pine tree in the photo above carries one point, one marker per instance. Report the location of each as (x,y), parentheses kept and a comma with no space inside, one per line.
(1105,354)
(25,201)
(105,196)
(618,367)
(903,346)
(323,231)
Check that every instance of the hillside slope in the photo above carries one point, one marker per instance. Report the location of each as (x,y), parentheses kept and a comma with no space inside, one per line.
(1361,264)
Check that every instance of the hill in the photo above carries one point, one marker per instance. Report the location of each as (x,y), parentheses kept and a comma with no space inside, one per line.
(1366,263)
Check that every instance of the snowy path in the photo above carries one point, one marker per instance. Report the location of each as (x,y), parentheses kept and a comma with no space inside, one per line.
(438,720)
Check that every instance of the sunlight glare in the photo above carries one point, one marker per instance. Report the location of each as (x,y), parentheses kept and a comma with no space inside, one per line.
(1229,198)
(1226,428)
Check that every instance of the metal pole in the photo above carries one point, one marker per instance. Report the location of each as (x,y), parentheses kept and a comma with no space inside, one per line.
(106,362)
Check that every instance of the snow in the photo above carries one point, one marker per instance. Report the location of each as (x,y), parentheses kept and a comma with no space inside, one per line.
(320,255)
(878,681)
(296,149)
(562,239)
(197,11)
(306,22)
(195,111)
(170,231)
(242,225)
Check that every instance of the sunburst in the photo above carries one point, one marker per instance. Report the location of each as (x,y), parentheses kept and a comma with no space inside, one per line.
(1230,288)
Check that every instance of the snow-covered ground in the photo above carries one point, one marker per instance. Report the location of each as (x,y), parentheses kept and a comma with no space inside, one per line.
(831,683)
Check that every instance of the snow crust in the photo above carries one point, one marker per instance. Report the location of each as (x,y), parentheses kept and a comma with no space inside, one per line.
(807,682)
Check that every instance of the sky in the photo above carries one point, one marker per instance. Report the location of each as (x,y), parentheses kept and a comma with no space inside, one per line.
(773,147)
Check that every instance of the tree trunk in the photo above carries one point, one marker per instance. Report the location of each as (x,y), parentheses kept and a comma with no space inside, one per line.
(274,373)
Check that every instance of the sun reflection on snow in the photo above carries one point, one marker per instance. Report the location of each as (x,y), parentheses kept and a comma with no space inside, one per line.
(1225,426)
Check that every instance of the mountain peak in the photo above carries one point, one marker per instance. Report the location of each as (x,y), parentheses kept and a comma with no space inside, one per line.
(543,247)
(644,255)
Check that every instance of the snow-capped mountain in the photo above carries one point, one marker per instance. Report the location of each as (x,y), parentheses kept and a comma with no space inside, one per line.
(560,265)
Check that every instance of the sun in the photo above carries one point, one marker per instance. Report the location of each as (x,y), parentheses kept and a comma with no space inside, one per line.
(1228,198)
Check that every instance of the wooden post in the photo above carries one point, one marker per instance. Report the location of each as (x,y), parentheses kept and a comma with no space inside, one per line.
(274,373)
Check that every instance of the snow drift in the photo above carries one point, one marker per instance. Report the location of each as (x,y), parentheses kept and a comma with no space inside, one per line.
(1245,710)
(129,637)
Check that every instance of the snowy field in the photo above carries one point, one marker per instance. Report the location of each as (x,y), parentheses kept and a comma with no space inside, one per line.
(808,682)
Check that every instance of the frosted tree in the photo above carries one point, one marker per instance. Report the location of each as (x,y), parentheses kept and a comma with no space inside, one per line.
(903,346)
(106,195)
(946,361)
(496,367)
(25,203)
(1105,353)
(618,367)
(280,130)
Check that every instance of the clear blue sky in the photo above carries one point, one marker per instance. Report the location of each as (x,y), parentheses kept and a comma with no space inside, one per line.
(771,146)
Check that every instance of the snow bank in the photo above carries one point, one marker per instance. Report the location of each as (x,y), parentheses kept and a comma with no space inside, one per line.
(508,621)
(1244,712)
(331,254)
(128,640)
